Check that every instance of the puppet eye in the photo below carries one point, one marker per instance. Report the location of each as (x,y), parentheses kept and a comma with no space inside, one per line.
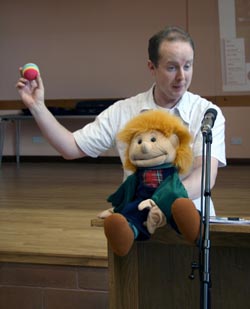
(139,141)
(153,139)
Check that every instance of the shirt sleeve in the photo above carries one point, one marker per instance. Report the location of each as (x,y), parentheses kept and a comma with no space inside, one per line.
(99,135)
(218,140)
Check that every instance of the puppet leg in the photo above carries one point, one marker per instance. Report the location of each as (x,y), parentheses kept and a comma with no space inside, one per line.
(119,234)
(187,219)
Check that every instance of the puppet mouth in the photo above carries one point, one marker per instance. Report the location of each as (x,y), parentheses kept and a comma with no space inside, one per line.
(158,160)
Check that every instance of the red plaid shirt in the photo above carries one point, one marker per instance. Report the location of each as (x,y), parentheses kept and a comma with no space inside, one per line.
(153,178)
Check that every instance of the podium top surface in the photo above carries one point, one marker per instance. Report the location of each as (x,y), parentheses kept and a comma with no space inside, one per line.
(221,234)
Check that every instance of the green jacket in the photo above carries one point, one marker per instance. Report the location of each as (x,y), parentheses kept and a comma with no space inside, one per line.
(168,191)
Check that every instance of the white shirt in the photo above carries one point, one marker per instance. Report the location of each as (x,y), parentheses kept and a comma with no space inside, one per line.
(100,135)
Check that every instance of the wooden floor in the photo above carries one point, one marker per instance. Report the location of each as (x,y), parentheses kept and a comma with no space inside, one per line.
(46,209)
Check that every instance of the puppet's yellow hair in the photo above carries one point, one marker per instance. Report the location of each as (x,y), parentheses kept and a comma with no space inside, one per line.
(167,124)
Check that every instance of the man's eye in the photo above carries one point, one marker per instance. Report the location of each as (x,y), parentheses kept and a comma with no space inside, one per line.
(171,68)
(187,66)
(153,139)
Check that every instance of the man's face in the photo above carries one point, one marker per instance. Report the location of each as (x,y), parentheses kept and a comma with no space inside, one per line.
(174,72)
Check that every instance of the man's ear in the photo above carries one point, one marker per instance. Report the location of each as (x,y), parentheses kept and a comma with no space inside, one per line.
(174,139)
(151,67)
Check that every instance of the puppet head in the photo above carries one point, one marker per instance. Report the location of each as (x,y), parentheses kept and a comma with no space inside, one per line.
(156,137)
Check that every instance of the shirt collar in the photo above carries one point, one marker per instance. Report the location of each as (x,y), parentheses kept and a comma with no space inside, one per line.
(149,102)
(181,109)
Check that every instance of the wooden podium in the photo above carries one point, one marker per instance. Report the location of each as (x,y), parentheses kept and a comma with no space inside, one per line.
(155,274)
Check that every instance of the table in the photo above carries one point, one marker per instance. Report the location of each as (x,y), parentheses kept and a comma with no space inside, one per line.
(16,119)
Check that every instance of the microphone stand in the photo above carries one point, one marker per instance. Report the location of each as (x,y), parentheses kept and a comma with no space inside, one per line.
(204,239)
(205,244)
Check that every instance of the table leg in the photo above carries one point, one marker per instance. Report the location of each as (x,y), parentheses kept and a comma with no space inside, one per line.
(2,131)
(17,124)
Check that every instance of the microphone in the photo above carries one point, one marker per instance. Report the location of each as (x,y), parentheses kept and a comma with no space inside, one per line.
(208,120)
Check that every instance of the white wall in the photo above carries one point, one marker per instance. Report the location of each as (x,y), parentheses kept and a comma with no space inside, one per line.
(96,49)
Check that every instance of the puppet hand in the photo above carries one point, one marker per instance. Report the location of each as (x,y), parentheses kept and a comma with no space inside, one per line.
(155,219)
(146,204)
(106,213)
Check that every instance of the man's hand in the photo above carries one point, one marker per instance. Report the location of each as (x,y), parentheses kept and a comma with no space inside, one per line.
(31,92)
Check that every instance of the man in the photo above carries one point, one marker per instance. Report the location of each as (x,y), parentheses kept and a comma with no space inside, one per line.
(171,57)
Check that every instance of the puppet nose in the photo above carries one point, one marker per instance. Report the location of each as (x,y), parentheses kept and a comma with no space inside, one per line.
(145,147)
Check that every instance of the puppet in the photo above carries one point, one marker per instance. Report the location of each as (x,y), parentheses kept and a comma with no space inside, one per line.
(158,151)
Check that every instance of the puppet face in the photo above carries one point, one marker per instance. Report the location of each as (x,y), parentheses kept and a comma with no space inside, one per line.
(152,148)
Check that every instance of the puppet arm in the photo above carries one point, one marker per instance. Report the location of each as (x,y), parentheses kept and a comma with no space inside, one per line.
(106,213)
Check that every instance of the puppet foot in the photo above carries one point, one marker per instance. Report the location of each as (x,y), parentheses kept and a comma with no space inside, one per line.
(187,219)
(119,234)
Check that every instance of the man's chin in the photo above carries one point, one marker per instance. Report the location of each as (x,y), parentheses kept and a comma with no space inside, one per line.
(178,93)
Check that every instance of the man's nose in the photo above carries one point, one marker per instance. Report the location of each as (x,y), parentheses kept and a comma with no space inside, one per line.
(180,74)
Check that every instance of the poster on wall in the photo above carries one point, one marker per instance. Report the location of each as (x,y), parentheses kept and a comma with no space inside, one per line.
(234,21)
